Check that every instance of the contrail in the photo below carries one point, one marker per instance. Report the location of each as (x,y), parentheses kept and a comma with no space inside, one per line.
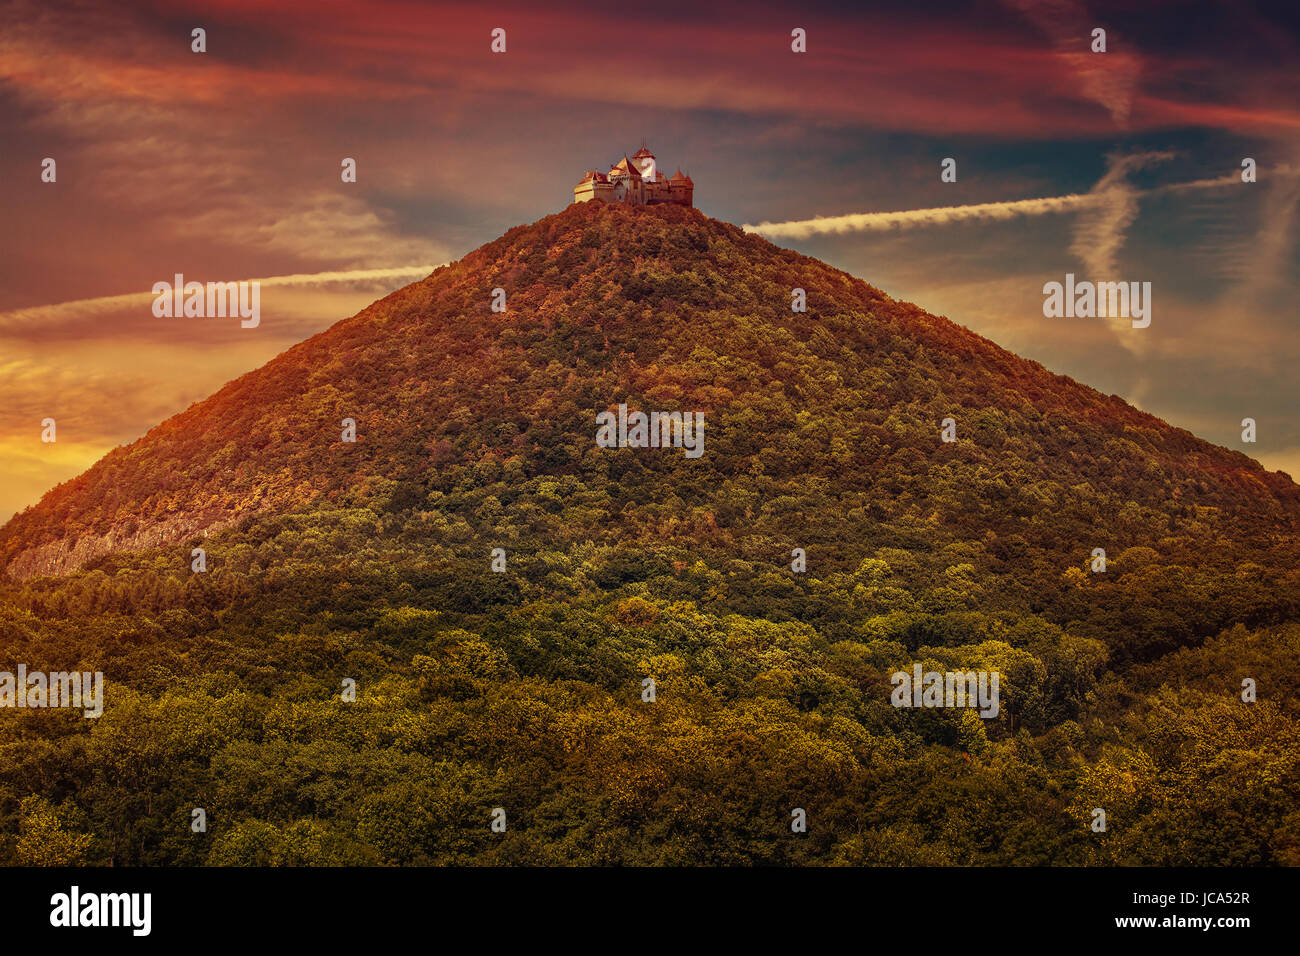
(942,215)
(1101,230)
(905,219)
(112,303)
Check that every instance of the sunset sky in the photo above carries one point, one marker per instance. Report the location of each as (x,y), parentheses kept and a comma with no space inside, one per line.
(225,165)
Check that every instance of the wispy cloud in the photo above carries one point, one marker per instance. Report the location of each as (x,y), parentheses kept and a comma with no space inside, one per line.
(938,216)
(189,147)
(1266,268)
(1108,209)
(1109,78)
(1100,230)
(46,315)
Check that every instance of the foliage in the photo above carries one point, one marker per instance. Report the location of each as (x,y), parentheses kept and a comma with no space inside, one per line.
(523,689)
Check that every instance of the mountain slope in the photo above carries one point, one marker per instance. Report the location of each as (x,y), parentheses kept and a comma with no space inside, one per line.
(369,565)
(820,425)
(660,308)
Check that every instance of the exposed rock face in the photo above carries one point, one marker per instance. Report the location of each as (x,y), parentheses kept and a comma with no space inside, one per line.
(67,554)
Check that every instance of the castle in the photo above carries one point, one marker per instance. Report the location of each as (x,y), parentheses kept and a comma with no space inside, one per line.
(636,182)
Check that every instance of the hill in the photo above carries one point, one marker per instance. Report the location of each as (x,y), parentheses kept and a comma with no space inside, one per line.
(521,686)
(822,427)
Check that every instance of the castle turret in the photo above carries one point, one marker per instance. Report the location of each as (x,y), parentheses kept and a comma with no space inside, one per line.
(681,188)
(645,162)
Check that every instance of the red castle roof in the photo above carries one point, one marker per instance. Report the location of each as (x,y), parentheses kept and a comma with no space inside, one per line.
(624,166)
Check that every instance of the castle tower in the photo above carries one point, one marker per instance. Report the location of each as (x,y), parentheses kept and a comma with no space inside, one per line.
(682,188)
(629,187)
(645,162)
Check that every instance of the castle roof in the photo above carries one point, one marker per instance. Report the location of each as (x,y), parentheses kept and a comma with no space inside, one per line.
(642,153)
(679,178)
(624,167)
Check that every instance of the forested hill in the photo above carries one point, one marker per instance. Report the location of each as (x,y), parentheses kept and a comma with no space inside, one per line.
(821,426)
(497,589)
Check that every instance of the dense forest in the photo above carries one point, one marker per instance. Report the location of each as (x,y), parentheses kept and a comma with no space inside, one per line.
(522,689)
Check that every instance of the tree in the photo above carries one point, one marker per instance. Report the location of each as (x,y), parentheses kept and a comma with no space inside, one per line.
(46,838)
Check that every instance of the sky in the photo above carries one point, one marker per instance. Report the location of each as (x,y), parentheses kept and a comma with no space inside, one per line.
(222,165)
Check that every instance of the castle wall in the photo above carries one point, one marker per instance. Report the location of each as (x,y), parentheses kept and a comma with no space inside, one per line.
(629,190)
(668,193)
(586,192)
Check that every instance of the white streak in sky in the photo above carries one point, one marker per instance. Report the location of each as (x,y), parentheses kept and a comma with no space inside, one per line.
(1109,199)
(78,308)
(938,216)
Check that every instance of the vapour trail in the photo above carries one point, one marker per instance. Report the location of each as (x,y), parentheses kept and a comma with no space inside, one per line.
(942,215)
(77,308)
(905,219)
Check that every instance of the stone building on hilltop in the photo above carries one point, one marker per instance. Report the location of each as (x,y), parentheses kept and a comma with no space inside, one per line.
(636,182)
